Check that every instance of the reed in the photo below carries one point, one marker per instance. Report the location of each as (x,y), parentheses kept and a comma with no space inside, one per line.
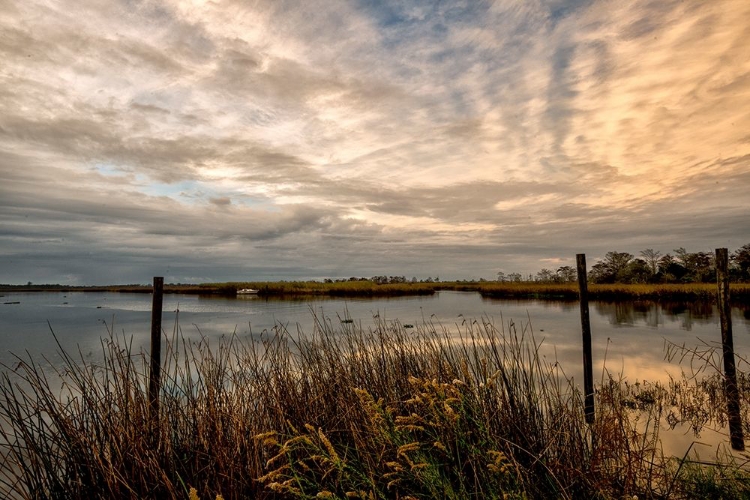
(740,292)
(336,289)
(344,412)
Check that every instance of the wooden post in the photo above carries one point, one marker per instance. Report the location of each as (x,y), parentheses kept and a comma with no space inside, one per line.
(588,371)
(155,371)
(730,372)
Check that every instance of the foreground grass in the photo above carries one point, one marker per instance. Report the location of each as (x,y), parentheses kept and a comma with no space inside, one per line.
(387,412)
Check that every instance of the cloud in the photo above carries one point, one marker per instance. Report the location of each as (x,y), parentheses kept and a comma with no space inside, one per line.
(401,137)
(224,201)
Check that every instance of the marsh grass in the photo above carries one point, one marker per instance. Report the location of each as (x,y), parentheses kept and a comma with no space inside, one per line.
(470,411)
(740,292)
(336,289)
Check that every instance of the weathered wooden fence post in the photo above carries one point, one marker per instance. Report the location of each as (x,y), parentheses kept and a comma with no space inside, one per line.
(730,373)
(155,367)
(588,373)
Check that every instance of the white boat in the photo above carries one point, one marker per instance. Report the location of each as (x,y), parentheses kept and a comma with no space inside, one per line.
(247,291)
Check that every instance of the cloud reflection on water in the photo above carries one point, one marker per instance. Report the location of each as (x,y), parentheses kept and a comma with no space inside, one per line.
(628,337)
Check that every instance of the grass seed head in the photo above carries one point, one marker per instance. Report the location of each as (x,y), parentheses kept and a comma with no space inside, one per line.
(406,448)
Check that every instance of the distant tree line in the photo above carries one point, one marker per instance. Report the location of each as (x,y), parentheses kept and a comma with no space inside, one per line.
(384,280)
(564,274)
(651,266)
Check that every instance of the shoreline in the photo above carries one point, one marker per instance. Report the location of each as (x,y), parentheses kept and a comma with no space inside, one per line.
(739,292)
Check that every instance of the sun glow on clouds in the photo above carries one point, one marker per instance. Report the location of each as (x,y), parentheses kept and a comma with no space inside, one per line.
(660,110)
(400,224)
(549,127)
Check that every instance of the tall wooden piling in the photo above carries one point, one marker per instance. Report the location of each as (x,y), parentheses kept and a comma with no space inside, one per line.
(588,371)
(730,372)
(154,381)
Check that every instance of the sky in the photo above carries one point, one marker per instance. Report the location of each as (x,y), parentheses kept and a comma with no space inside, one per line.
(211,140)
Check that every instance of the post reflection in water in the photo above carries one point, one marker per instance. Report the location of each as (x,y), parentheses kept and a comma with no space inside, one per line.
(628,338)
(640,343)
(630,334)
(631,339)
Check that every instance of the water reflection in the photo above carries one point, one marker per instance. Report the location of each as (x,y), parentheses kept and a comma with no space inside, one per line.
(628,337)
(653,314)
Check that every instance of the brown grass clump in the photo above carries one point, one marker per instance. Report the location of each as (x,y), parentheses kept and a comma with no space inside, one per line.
(384,412)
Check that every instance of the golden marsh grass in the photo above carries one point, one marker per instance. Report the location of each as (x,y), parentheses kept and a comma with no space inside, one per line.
(383,412)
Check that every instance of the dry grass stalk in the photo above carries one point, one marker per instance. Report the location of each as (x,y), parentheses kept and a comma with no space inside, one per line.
(348,413)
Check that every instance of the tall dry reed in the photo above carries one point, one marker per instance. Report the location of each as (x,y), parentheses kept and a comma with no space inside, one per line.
(344,412)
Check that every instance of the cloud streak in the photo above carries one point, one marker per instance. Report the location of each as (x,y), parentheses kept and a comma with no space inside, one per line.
(277,140)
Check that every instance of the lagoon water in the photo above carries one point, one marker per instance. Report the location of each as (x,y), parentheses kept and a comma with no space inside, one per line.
(630,336)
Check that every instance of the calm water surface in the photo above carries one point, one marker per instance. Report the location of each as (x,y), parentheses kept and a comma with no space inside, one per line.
(628,338)
(630,335)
